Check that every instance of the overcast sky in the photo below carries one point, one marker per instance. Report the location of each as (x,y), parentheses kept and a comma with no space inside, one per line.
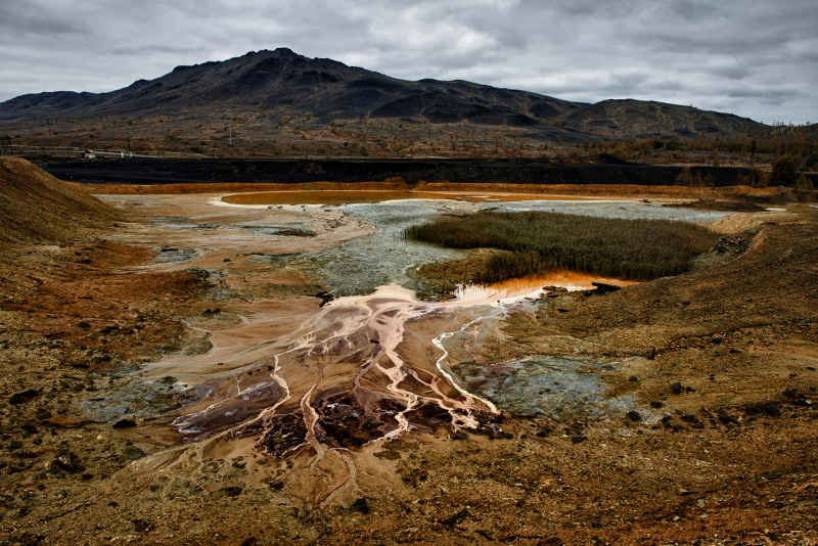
(757,58)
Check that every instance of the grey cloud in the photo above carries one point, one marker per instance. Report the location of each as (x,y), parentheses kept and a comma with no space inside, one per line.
(754,58)
(24,19)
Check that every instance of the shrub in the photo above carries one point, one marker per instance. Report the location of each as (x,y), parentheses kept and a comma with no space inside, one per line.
(785,171)
(804,183)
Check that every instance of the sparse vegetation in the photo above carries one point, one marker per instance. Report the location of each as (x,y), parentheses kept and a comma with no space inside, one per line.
(785,171)
(732,205)
(538,242)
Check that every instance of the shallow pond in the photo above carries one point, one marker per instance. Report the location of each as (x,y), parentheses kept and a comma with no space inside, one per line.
(361,265)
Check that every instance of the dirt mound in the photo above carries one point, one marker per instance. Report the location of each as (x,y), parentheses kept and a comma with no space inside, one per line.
(36,207)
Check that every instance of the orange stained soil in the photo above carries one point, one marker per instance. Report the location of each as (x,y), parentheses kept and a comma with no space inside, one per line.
(339,197)
(564,279)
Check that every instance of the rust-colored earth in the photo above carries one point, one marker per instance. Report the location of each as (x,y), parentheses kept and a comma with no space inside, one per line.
(719,365)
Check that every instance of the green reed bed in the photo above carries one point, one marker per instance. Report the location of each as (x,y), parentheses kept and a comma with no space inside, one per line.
(538,242)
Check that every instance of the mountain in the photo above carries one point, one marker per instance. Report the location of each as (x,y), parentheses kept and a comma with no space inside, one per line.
(281,80)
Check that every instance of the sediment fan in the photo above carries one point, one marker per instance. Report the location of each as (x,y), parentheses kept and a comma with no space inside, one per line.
(338,382)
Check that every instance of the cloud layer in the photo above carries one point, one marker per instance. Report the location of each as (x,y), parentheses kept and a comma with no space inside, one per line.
(757,58)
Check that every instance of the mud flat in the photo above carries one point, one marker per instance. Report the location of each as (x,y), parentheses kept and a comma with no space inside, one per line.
(211,372)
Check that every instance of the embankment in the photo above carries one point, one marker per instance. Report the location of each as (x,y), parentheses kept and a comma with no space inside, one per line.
(516,171)
(36,207)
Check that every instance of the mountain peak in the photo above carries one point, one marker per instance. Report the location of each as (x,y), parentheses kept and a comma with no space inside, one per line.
(277,52)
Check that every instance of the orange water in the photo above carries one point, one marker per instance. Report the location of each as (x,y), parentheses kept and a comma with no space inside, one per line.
(340,197)
(564,279)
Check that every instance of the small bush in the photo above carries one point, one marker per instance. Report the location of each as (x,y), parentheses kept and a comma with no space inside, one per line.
(785,171)
(804,183)
(539,242)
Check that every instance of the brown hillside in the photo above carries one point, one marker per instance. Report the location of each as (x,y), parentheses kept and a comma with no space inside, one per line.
(36,207)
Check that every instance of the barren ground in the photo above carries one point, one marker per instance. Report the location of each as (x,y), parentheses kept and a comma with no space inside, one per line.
(721,364)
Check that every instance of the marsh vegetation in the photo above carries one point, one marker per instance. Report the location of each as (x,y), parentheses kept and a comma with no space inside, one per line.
(538,242)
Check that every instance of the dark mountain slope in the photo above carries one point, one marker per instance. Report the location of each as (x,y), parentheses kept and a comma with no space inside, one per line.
(266,81)
(633,118)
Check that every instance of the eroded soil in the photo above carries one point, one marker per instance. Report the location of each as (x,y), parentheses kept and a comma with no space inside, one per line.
(115,348)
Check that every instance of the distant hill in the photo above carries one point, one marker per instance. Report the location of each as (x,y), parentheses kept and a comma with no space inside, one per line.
(281,80)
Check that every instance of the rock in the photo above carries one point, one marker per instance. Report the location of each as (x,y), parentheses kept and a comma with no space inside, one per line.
(29,428)
(125,422)
(360,505)
(133,453)
(495,432)
(110,329)
(142,526)
(544,431)
(456,518)
(23,397)
(554,291)
(296,232)
(28,539)
(725,418)
(415,476)
(634,416)
(232,490)
(65,463)
(325,297)
(604,288)
(692,420)
(766,409)
(796,397)
(276,485)
(676,388)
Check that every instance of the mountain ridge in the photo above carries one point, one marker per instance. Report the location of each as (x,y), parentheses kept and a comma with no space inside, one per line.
(281,80)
